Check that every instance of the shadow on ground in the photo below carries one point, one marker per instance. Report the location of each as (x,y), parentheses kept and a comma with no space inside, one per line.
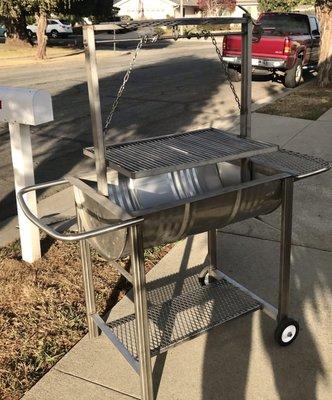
(228,348)
(152,105)
(297,369)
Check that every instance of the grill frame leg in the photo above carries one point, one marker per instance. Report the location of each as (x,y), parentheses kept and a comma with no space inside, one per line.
(89,291)
(211,268)
(285,247)
(141,312)
(212,249)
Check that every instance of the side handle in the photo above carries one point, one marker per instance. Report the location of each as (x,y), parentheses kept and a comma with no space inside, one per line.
(61,236)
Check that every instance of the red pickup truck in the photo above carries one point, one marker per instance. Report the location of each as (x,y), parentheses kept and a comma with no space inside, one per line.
(286,42)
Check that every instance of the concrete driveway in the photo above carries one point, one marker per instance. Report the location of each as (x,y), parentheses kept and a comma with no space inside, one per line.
(176,86)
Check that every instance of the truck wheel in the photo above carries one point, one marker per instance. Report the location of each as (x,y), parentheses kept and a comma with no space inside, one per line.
(234,74)
(54,34)
(293,76)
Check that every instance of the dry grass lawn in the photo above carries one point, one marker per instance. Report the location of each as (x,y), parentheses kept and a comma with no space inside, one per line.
(27,55)
(307,102)
(42,311)
(52,52)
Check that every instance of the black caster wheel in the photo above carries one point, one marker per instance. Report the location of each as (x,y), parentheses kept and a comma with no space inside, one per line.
(207,279)
(286,332)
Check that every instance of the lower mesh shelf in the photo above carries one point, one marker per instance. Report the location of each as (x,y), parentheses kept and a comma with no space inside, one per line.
(186,316)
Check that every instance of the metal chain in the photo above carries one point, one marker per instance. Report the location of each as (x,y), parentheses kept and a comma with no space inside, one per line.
(144,39)
(236,97)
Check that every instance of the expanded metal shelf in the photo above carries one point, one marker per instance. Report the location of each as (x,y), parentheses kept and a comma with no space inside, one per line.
(154,156)
(297,164)
(181,318)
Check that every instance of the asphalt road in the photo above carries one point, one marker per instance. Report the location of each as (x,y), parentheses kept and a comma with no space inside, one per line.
(176,86)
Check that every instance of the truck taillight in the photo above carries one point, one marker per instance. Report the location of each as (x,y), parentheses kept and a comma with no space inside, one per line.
(287,47)
(224,43)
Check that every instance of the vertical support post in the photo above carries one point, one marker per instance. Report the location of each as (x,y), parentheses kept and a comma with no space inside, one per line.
(89,291)
(22,158)
(95,108)
(141,312)
(212,248)
(285,247)
(114,38)
(246,75)
(246,72)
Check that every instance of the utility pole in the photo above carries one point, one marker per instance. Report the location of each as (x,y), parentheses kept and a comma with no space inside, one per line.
(181,16)
(141,9)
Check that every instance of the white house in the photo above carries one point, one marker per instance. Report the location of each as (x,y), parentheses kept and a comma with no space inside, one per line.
(250,5)
(155,9)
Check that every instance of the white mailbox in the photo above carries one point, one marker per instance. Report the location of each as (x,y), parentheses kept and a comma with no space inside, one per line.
(21,108)
(25,106)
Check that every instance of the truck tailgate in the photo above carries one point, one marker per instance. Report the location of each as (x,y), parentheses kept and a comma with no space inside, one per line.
(264,46)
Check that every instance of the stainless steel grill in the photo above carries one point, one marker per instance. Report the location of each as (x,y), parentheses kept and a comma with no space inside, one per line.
(160,190)
(181,151)
(184,202)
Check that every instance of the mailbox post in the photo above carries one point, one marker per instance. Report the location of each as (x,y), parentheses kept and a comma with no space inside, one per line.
(22,108)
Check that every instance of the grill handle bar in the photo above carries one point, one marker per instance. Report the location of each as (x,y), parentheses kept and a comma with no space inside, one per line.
(53,232)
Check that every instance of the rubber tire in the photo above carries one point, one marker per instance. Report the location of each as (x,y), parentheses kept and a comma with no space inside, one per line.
(207,280)
(285,323)
(290,75)
(234,74)
(54,34)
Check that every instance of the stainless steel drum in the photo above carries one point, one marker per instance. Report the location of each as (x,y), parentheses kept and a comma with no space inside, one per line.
(174,205)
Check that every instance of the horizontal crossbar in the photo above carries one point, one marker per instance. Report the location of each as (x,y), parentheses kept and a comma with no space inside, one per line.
(171,22)
(117,343)
(170,37)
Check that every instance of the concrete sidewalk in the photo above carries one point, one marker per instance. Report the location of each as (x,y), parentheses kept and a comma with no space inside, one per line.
(238,360)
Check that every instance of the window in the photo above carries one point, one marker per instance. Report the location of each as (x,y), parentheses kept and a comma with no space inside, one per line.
(282,24)
(313,25)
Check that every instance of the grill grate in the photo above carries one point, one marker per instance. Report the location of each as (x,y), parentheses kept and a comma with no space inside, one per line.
(299,165)
(163,154)
(183,317)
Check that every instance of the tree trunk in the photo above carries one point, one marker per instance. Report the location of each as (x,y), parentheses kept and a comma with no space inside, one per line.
(324,13)
(41,35)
